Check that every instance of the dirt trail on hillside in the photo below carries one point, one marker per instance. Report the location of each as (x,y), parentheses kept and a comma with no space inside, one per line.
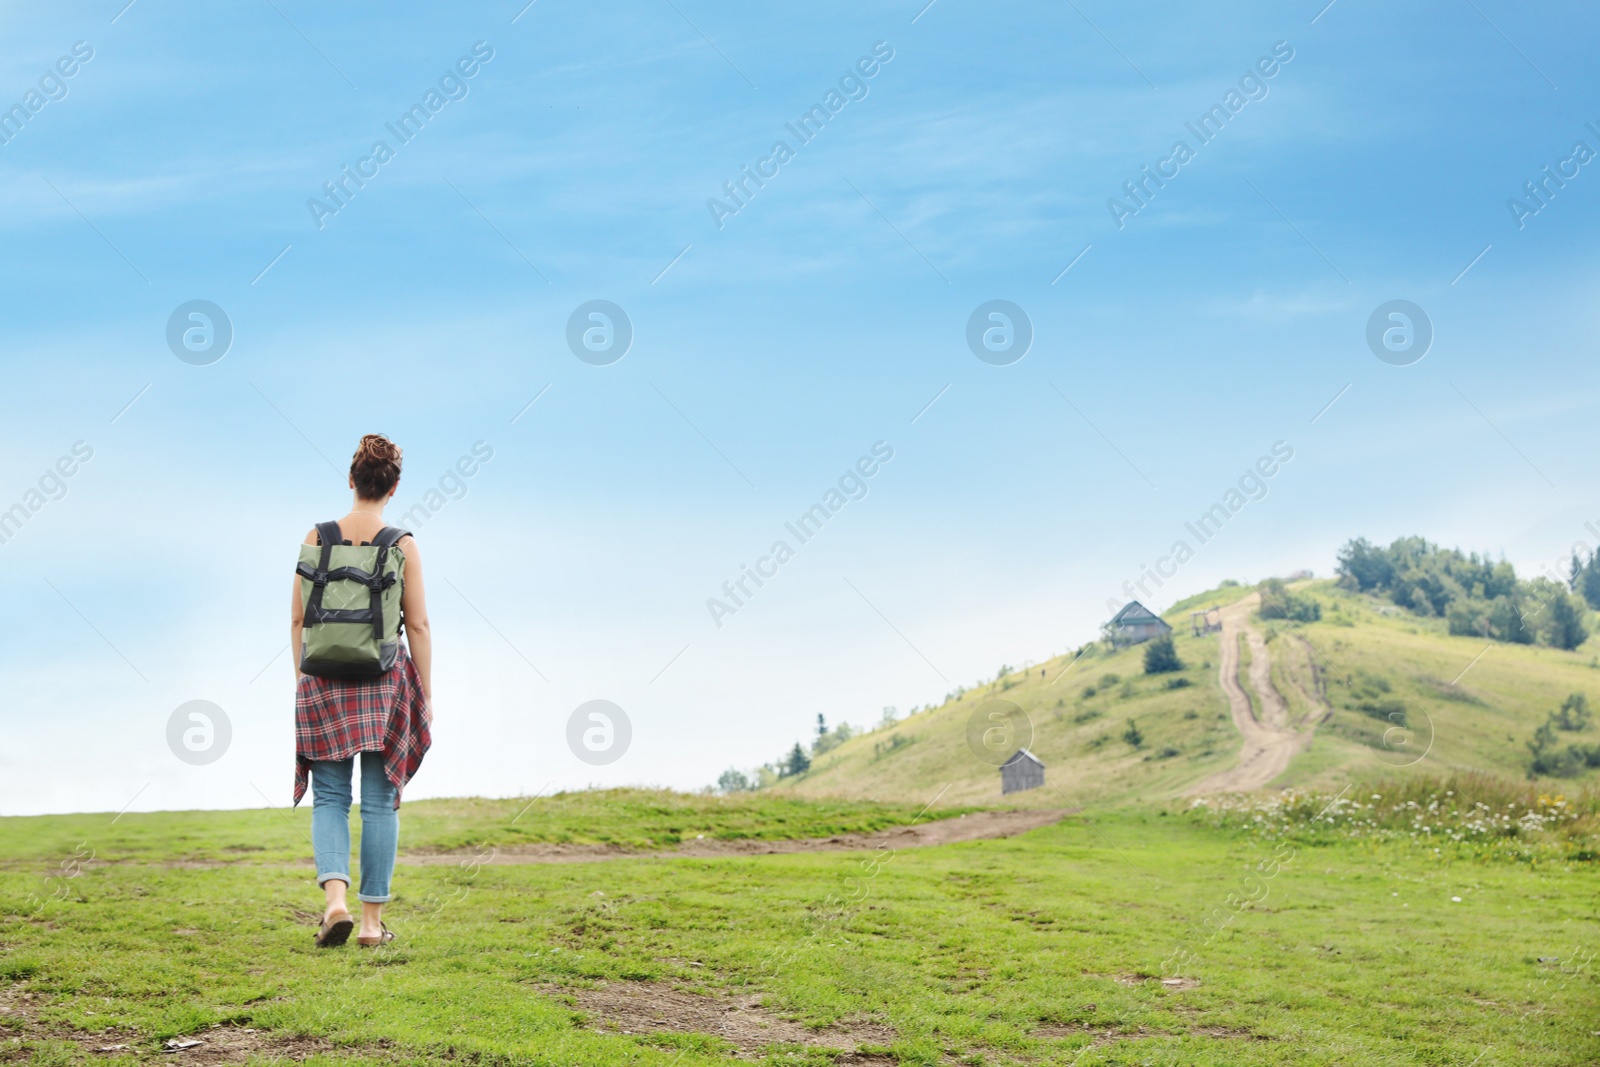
(1270,740)
(974,826)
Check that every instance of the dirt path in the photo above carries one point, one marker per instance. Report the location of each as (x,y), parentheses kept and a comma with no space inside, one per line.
(1270,740)
(974,826)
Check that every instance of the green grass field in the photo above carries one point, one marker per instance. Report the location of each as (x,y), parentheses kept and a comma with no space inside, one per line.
(1145,936)
(1384,909)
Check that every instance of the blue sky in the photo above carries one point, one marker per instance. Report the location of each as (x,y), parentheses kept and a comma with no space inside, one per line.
(769,353)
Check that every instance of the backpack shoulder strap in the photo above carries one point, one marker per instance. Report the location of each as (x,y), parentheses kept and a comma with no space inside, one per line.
(389,536)
(383,541)
(328,535)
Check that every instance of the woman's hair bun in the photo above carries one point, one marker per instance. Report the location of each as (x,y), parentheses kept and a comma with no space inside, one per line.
(376,467)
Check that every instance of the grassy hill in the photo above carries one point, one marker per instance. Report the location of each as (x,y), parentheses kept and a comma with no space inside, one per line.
(1389,692)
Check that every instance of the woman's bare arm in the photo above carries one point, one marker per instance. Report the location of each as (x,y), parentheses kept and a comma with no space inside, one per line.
(297,616)
(414,603)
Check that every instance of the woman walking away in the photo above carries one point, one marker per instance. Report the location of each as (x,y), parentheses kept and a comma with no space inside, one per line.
(360,692)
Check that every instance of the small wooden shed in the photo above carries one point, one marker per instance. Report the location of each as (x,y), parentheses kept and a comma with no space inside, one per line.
(1136,623)
(1022,771)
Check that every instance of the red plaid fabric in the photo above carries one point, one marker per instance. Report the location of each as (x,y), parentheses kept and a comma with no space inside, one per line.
(335,719)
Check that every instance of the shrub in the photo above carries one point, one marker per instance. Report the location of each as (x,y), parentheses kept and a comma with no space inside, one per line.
(827,740)
(884,748)
(1393,711)
(1278,603)
(1551,762)
(1366,686)
(1178,683)
(1574,713)
(1545,759)
(1161,657)
(733,780)
(1133,735)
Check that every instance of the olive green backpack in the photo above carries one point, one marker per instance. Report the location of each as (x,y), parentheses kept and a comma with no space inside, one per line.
(350,595)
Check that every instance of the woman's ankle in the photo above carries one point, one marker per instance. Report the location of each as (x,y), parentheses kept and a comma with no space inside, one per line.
(335,890)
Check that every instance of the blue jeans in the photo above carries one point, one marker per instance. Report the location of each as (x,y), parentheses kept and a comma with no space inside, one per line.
(330,824)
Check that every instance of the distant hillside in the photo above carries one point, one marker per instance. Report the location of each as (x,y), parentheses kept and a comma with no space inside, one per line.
(1369,687)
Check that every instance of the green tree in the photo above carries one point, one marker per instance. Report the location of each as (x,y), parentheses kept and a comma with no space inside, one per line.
(1505,622)
(1363,566)
(1161,657)
(1423,577)
(797,762)
(1468,617)
(1588,581)
(1563,626)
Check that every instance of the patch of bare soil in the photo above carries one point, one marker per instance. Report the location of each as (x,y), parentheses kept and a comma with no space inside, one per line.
(1139,978)
(20,1027)
(653,1007)
(974,826)
(1107,1035)
(235,1044)
(1055,1030)
(1104,1034)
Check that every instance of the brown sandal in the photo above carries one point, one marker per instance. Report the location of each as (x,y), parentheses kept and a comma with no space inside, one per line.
(382,939)
(332,934)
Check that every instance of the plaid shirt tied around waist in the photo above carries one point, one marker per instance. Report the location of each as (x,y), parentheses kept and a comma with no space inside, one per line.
(336,718)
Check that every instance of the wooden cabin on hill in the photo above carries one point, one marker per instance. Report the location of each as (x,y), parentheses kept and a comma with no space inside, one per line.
(1135,624)
(1022,771)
